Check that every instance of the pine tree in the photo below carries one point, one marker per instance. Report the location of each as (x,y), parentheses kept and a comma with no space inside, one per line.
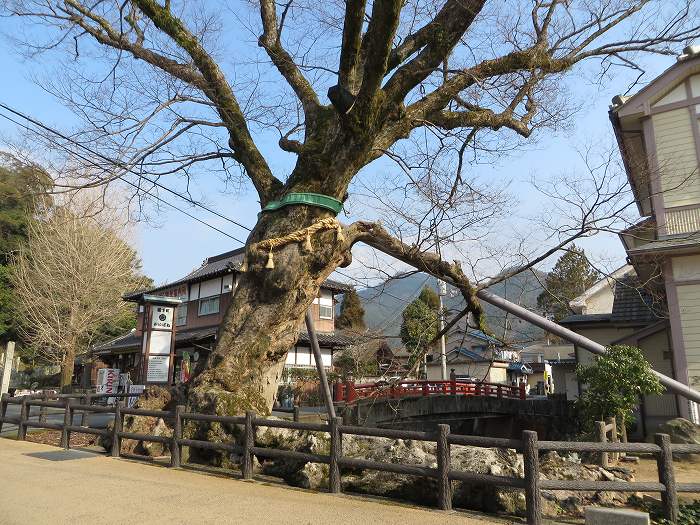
(352,314)
(572,275)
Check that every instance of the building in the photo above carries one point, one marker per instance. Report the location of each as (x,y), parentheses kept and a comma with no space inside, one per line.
(474,355)
(205,294)
(658,132)
(554,365)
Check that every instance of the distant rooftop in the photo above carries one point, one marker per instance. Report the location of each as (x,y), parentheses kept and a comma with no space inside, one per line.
(221,264)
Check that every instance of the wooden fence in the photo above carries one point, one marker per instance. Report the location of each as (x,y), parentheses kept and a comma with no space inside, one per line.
(529,445)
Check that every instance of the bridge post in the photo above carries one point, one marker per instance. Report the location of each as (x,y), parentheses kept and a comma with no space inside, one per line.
(424,389)
(499,391)
(350,393)
(443,463)
(453,387)
(522,391)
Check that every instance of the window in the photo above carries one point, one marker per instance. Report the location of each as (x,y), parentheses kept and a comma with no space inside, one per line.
(209,306)
(181,314)
(325,311)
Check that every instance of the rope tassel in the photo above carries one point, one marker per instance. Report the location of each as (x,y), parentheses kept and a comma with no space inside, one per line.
(270,262)
(339,234)
(308,248)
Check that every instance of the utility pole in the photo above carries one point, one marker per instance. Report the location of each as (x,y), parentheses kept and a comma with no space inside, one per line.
(442,291)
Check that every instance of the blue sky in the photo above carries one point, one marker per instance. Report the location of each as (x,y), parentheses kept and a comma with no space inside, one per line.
(172,244)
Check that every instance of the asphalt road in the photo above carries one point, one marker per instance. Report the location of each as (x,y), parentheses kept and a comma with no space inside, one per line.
(42,484)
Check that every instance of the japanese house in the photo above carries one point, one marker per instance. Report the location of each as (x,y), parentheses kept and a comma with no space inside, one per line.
(205,294)
(655,303)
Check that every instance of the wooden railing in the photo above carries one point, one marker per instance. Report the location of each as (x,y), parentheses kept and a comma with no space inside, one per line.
(349,392)
(529,445)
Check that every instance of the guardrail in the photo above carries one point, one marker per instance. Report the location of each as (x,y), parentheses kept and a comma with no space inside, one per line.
(529,445)
(349,392)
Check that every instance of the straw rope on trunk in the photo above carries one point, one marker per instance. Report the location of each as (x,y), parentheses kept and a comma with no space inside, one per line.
(302,235)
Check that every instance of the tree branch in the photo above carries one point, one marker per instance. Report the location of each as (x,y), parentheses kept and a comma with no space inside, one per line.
(220,92)
(352,40)
(270,41)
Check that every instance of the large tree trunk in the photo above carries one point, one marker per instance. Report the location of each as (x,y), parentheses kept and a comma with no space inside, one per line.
(67,367)
(265,316)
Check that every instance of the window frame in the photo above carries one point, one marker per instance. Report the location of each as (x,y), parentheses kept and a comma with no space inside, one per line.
(182,307)
(210,299)
(320,315)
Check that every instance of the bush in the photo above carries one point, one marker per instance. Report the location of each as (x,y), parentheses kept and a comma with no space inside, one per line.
(688,512)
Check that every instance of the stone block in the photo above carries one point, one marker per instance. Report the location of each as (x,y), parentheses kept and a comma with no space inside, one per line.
(605,516)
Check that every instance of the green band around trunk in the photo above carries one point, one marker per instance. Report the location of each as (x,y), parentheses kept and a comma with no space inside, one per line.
(306,199)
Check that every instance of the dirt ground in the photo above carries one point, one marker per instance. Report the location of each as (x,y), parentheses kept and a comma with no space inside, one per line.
(686,470)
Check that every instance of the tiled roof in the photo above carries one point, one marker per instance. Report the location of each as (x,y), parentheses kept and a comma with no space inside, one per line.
(132,341)
(221,264)
(585,318)
(633,304)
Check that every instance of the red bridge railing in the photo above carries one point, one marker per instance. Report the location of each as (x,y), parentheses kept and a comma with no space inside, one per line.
(350,392)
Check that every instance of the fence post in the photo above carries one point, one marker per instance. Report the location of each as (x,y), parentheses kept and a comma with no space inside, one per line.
(623,433)
(664,462)
(116,429)
(295,413)
(443,464)
(249,443)
(175,451)
(23,417)
(85,419)
(67,421)
(612,421)
(3,408)
(43,411)
(532,477)
(600,436)
(336,452)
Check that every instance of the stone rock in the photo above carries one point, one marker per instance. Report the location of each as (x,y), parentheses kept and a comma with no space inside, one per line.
(554,466)
(681,431)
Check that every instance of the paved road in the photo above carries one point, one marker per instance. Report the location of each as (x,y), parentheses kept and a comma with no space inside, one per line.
(42,484)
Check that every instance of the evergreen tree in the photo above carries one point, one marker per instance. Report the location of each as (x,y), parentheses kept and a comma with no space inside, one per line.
(23,190)
(418,328)
(430,297)
(352,314)
(572,275)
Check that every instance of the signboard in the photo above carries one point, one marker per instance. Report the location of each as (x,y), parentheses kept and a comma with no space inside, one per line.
(158,368)
(107,382)
(134,389)
(162,317)
(160,343)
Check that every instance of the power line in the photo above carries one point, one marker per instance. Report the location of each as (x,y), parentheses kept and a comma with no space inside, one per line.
(159,199)
(120,165)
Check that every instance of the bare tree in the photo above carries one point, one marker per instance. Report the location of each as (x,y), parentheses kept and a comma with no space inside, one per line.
(473,75)
(69,277)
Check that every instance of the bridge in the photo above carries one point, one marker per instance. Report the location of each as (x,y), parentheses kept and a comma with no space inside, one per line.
(474,408)
(350,392)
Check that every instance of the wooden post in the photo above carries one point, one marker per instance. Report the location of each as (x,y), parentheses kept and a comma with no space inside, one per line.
(664,462)
(43,411)
(116,429)
(175,451)
(295,414)
(453,387)
(23,417)
(249,443)
(334,481)
(532,477)
(623,433)
(600,436)
(67,421)
(612,422)
(3,408)
(85,420)
(522,391)
(499,391)
(443,464)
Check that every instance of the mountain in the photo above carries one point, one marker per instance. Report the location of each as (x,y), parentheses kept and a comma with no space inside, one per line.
(385,302)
